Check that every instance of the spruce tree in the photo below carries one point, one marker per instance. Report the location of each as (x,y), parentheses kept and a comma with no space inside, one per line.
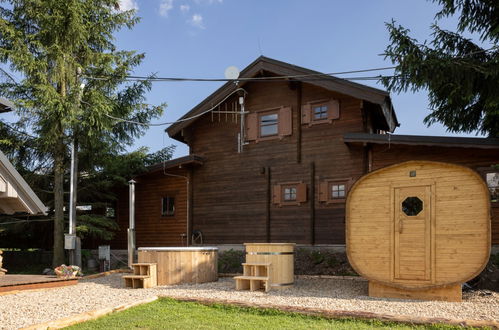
(55,46)
(460,70)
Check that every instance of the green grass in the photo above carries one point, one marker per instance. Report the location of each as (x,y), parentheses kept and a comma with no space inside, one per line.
(171,314)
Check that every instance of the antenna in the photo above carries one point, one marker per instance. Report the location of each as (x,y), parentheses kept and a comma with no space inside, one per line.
(231,73)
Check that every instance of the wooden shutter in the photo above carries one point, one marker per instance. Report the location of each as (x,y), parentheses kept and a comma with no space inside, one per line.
(285,121)
(251,126)
(323,192)
(306,111)
(333,109)
(276,194)
(301,192)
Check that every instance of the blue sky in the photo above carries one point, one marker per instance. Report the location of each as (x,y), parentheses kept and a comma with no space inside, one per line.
(200,38)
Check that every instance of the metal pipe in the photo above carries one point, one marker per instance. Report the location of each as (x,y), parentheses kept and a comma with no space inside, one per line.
(131,226)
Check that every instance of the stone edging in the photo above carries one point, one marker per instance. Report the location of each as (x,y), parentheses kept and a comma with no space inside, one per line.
(336,314)
(87,316)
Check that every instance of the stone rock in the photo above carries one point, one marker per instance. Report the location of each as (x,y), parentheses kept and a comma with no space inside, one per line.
(48,271)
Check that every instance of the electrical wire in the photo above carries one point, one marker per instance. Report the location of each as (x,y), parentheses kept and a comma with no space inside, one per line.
(242,79)
(317,75)
(183,119)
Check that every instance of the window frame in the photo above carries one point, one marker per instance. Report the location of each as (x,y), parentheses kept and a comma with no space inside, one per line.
(283,193)
(330,186)
(163,197)
(322,103)
(263,113)
(291,184)
(484,171)
(347,182)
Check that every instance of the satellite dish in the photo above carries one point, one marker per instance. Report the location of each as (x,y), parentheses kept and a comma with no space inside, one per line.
(231,73)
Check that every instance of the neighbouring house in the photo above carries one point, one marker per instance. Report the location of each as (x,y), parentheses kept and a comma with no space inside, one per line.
(306,140)
(16,196)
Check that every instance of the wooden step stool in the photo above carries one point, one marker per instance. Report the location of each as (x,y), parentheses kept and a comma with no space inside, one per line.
(144,276)
(255,276)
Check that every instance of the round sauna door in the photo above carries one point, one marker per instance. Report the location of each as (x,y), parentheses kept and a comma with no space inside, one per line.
(412,233)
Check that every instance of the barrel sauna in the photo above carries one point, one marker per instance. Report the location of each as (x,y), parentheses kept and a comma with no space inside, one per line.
(281,258)
(177,265)
(418,229)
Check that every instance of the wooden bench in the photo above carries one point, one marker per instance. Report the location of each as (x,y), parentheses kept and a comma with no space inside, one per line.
(255,276)
(144,276)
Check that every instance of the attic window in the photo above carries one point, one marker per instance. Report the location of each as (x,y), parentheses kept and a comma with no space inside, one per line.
(269,124)
(320,111)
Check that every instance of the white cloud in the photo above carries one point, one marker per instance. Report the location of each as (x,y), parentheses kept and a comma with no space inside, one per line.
(209,2)
(184,8)
(165,6)
(128,5)
(197,21)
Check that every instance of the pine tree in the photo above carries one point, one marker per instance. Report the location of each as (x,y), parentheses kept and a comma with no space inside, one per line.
(460,74)
(55,45)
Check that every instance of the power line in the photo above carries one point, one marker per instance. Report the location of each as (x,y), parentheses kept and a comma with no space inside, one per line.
(270,78)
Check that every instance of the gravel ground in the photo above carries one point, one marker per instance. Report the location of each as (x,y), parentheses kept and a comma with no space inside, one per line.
(33,307)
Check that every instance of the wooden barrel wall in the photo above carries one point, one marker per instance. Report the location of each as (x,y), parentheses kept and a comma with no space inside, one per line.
(419,225)
(183,264)
(280,255)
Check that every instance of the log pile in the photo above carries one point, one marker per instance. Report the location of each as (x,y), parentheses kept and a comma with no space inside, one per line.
(2,271)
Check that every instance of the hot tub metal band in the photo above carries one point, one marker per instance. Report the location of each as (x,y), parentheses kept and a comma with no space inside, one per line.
(269,253)
(282,284)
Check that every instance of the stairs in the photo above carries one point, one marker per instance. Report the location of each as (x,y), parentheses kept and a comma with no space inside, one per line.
(255,276)
(144,276)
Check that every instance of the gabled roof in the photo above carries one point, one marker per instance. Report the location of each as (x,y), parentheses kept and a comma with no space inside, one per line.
(419,140)
(15,194)
(5,105)
(376,96)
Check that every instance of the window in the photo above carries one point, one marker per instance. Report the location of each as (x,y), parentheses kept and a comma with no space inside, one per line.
(412,206)
(320,112)
(167,206)
(333,190)
(289,193)
(269,124)
(492,179)
(337,191)
(110,212)
(293,193)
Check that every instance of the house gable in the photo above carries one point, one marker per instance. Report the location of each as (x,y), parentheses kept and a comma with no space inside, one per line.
(382,110)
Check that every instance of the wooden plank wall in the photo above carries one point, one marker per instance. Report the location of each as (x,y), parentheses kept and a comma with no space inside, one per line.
(230,188)
(384,155)
(152,229)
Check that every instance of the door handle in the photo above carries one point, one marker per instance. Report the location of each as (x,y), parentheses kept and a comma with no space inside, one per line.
(401,226)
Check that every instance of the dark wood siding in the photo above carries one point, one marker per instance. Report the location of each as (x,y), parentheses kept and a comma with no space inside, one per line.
(152,229)
(230,189)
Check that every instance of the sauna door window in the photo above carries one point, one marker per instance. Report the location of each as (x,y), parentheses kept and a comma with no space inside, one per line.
(167,206)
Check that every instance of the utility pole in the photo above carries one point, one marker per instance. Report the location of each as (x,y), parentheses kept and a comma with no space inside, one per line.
(72,241)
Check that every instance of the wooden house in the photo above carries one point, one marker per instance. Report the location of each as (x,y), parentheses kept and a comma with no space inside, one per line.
(281,174)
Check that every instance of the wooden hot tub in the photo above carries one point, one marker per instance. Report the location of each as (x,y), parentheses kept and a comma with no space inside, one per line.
(178,265)
(281,258)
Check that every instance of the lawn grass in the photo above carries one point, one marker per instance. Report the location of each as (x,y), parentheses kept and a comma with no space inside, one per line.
(171,314)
